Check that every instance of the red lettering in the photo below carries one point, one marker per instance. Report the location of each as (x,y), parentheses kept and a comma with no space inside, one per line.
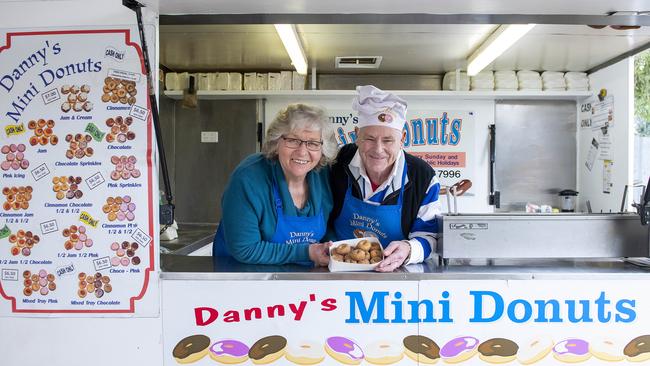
(298,310)
(213,314)
(275,309)
(328,304)
(231,316)
(249,313)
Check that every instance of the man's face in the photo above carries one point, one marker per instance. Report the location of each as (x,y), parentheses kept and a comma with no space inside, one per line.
(379,147)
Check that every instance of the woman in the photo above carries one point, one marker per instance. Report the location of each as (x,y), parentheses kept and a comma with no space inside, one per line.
(276,205)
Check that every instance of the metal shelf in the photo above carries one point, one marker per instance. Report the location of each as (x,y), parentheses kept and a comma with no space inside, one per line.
(437,94)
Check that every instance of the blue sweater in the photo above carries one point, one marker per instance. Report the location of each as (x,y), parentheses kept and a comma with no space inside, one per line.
(249,216)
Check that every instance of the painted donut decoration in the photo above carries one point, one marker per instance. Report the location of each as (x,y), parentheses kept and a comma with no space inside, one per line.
(191,349)
(498,350)
(267,349)
(229,351)
(306,353)
(344,350)
(459,349)
(638,349)
(572,350)
(421,349)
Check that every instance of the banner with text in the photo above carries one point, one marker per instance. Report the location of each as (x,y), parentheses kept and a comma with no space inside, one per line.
(403,322)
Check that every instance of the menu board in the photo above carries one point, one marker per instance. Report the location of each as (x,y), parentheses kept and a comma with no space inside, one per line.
(76,223)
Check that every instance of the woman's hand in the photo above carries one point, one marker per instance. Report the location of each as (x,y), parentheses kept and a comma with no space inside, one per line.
(319,253)
(395,255)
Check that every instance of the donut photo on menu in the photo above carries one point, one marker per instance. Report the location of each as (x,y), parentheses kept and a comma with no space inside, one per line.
(191,349)
(43,132)
(267,349)
(119,129)
(76,98)
(305,353)
(117,90)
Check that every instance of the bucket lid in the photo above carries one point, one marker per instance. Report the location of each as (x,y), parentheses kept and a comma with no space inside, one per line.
(568,192)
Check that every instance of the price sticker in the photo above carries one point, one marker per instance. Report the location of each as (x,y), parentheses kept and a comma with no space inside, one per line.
(49,227)
(140,237)
(95,180)
(40,172)
(10,275)
(139,112)
(102,263)
(51,96)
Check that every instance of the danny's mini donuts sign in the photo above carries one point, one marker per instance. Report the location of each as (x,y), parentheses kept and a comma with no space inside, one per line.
(405,322)
(69,134)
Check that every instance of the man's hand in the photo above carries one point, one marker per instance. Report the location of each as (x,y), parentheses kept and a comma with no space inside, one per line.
(319,253)
(394,256)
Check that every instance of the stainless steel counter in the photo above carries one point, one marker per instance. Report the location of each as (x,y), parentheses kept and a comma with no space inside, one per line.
(190,238)
(178,267)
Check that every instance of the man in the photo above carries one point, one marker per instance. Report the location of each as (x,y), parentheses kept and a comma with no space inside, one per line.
(379,190)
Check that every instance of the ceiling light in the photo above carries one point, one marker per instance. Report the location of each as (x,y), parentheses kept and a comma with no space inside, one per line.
(289,37)
(498,42)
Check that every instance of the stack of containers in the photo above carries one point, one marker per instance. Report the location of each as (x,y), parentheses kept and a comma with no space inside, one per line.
(449,81)
(505,80)
(484,80)
(177,81)
(234,81)
(576,81)
(553,80)
(529,80)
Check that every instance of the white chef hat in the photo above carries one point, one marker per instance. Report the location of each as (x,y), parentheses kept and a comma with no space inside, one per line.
(376,107)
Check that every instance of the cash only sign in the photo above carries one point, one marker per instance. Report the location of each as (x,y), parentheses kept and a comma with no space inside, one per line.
(77,211)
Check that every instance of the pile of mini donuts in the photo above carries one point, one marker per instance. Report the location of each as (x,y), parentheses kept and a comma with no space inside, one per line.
(23,242)
(43,132)
(76,98)
(119,91)
(119,129)
(418,348)
(14,157)
(97,284)
(119,208)
(79,146)
(17,198)
(67,187)
(76,238)
(365,252)
(124,167)
(125,254)
(41,282)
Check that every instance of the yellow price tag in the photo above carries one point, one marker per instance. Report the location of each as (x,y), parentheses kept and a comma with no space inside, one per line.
(11,130)
(87,219)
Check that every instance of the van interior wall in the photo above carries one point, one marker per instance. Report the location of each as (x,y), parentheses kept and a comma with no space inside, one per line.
(618,81)
(199,171)
(535,152)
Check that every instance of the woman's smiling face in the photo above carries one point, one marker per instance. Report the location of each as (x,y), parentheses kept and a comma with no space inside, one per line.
(297,162)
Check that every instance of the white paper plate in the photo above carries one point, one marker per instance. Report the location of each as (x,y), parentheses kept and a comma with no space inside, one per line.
(336,266)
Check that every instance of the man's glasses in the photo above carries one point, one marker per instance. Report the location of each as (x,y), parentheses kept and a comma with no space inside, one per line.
(295,143)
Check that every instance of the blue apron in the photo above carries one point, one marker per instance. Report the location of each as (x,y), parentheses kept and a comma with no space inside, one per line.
(288,229)
(358,218)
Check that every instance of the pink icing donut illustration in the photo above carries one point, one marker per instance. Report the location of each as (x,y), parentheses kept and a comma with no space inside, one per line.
(229,351)
(344,350)
(571,350)
(459,349)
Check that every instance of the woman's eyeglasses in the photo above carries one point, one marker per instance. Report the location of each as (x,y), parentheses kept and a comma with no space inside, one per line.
(311,145)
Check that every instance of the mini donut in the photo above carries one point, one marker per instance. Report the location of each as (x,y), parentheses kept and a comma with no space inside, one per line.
(337,257)
(384,352)
(498,350)
(607,350)
(358,255)
(191,349)
(571,350)
(267,349)
(459,349)
(229,351)
(344,350)
(343,249)
(638,349)
(106,97)
(375,253)
(375,246)
(305,353)
(364,245)
(374,260)
(421,349)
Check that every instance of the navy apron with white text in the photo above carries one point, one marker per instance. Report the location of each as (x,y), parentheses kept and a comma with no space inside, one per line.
(361,219)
